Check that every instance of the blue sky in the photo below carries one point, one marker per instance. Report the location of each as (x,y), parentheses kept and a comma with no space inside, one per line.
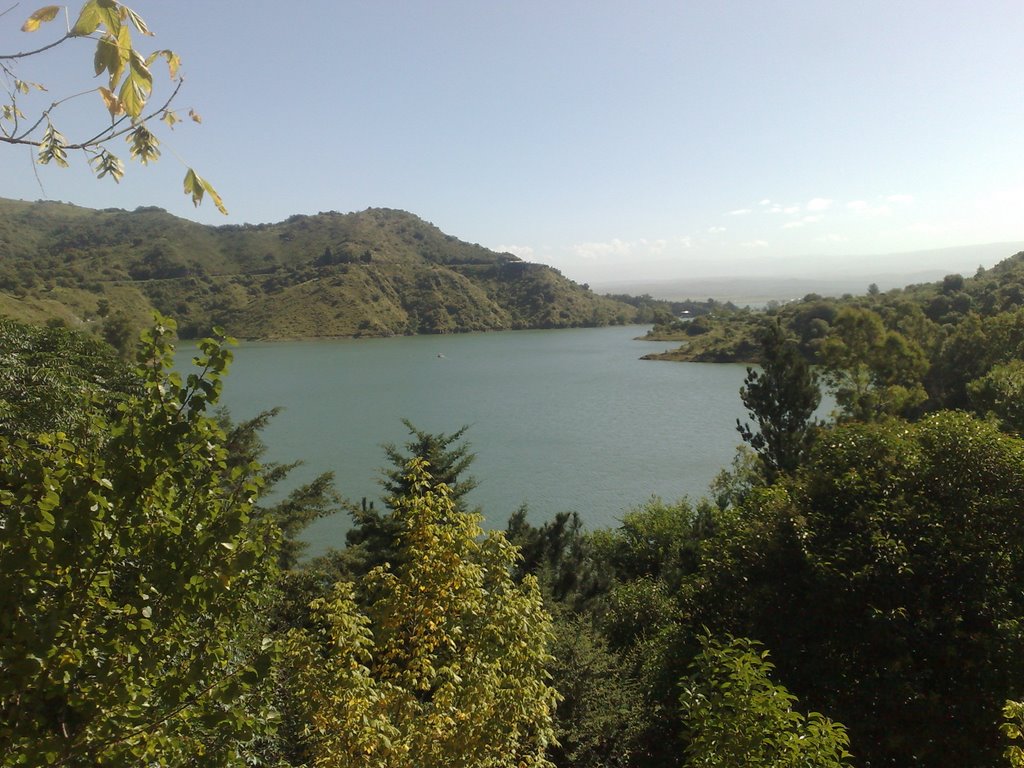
(614,141)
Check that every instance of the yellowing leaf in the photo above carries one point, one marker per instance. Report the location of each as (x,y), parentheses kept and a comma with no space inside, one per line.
(196,117)
(112,102)
(197,186)
(106,164)
(51,147)
(44,14)
(137,21)
(173,62)
(144,145)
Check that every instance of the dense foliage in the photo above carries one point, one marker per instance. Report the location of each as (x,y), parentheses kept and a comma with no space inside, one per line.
(133,578)
(153,610)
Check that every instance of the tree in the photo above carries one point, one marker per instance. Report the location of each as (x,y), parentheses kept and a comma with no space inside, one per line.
(126,96)
(373,538)
(736,716)
(872,371)
(1013,729)
(304,504)
(781,398)
(132,579)
(54,379)
(601,716)
(447,664)
(1000,393)
(560,554)
(886,578)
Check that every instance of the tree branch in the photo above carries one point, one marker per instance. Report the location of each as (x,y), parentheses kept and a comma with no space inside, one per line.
(26,54)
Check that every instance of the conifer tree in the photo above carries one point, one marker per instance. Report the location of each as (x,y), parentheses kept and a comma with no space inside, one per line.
(781,398)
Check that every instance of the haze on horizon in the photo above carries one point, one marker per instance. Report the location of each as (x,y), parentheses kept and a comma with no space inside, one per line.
(662,141)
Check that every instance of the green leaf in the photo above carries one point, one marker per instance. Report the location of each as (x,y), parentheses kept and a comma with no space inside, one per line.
(108,58)
(137,87)
(89,19)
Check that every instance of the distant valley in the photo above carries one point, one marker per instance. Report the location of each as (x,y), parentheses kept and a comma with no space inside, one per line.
(794,278)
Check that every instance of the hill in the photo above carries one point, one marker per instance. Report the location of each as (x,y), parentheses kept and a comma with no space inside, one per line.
(378,272)
(932,312)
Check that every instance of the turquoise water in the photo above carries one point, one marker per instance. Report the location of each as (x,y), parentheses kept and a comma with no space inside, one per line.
(559,420)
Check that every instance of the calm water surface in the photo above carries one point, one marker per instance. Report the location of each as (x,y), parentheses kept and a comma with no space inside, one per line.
(559,420)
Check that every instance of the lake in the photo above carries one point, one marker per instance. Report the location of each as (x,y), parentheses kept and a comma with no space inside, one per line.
(559,420)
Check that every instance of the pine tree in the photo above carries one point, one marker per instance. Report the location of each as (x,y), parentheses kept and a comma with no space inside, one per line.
(781,398)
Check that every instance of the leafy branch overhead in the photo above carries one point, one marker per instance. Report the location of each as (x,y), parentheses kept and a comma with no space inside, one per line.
(126,95)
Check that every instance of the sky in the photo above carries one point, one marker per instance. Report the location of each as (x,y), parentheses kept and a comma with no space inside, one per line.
(613,141)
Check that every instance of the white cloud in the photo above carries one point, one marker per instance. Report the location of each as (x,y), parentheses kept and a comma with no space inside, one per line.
(614,247)
(927,228)
(832,238)
(617,248)
(819,204)
(524,252)
(900,199)
(867,209)
(810,219)
(740,212)
(755,244)
(792,209)
(792,224)
(716,230)
(766,201)
(655,246)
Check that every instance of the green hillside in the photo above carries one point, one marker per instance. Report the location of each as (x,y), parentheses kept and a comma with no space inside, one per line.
(931,313)
(378,272)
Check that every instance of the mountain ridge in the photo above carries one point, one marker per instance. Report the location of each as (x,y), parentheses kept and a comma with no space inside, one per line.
(376,272)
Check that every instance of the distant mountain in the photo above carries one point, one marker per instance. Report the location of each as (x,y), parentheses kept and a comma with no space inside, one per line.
(795,278)
(375,273)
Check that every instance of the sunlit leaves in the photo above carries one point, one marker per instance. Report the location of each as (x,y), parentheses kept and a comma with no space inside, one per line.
(447,666)
(52,147)
(136,86)
(108,58)
(131,571)
(197,187)
(107,164)
(112,103)
(173,62)
(44,14)
(144,145)
(736,715)
(1013,730)
(126,96)
(92,15)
